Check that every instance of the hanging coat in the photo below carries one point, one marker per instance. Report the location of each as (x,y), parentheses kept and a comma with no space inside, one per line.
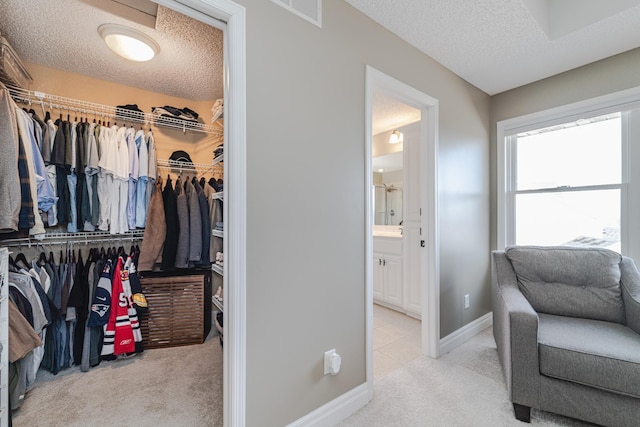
(155,231)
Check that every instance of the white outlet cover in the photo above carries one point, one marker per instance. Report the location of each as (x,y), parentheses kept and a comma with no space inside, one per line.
(328,368)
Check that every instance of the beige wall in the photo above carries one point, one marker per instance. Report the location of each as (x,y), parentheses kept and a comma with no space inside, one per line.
(603,77)
(306,235)
(70,85)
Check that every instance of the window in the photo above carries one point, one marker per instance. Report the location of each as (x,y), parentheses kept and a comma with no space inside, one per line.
(568,175)
(567,183)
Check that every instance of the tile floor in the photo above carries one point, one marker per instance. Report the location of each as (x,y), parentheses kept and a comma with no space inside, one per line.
(396,340)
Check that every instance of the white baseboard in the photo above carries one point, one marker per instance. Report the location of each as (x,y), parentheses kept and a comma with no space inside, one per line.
(338,409)
(465,333)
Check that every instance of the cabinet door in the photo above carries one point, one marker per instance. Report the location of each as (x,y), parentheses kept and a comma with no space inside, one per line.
(392,265)
(412,269)
(378,279)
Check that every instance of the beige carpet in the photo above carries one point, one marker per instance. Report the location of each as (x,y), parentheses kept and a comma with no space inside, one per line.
(180,386)
(462,388)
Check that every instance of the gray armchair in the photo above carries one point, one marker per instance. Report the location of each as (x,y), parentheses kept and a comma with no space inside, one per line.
(567,326)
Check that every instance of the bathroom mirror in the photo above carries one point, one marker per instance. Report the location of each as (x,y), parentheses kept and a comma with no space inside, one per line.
(387,189)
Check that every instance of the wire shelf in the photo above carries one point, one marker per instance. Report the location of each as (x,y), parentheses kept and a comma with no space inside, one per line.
(30,97)
(61,238)
(179,167)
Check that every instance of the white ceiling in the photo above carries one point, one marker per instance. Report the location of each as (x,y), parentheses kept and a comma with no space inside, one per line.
(389,113)
(63,35)
(498,45)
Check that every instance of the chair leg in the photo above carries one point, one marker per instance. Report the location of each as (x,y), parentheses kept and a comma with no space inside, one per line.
(523,413)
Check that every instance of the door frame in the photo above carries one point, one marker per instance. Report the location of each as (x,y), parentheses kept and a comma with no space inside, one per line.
(231,18)
(430,274)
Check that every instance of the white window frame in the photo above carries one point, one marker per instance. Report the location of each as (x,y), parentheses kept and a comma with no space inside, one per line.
(506,158)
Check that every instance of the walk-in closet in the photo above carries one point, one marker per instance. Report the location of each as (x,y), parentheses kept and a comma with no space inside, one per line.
(112,231)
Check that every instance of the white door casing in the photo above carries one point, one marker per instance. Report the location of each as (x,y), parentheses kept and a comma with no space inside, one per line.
(429,255)
(231,17)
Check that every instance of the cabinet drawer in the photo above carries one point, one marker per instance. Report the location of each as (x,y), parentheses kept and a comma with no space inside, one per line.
(387,245)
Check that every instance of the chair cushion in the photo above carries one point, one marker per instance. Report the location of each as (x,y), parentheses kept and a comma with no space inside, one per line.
(604,355)
(577,282)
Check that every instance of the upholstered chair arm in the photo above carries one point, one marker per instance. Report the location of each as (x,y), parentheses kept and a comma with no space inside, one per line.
(630,281)
(515,329)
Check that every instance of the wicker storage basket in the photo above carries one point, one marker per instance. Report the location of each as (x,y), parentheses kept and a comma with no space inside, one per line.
(179,309)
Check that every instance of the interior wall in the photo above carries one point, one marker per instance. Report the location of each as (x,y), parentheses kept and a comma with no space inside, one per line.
(603,77)
(71,85)
(306,236)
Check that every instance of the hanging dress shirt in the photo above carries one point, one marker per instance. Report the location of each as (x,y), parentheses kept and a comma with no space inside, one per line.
(143,173)
(133,177)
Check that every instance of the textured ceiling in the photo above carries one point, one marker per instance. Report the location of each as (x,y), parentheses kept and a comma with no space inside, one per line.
(65,36)
(389,113)
(498,45)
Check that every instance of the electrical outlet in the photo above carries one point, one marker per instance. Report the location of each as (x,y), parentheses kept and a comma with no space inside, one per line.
(466,301)
(332,361)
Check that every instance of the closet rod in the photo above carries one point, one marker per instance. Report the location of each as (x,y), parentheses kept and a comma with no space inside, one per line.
(89,237)
(30,97)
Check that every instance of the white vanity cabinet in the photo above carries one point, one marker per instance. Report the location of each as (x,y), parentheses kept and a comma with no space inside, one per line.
(387,271)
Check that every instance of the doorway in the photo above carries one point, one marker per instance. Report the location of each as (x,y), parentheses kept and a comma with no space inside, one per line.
(414,287)
(233,17)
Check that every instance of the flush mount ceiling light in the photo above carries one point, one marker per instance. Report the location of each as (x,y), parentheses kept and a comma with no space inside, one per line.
(128,43)
(396,136)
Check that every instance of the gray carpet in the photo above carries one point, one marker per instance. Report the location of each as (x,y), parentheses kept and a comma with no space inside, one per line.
(180,386)
(462,388)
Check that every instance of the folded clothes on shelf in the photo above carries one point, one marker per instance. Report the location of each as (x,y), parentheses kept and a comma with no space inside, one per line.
(219,151)
(219,226)
(185,114)
(129,112)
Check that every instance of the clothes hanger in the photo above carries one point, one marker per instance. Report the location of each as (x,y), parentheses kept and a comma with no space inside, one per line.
(12,263)
(42,259)
(23,259)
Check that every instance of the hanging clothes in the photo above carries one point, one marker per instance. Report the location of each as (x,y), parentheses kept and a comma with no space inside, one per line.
(120,185)
(51,170)
(152,166)
(133,175)
(143,178)
(155,232)
(10,182)
(131,310)
(205,224)
(118,332)
(22,341)
(107,139)
(44,188)
(182,250)
(26,217)
(172,227)
(35,173)
(93,171)
(195,224)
